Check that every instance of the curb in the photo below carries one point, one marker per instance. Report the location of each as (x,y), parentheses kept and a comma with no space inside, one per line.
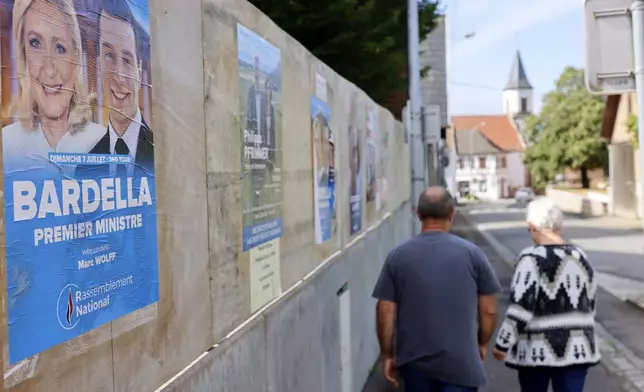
(616,357)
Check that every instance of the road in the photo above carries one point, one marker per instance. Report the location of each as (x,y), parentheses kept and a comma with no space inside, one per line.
(615,248)
(500,378)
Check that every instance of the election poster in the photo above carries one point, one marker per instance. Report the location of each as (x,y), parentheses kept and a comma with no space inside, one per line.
(355,185)
(323,170)
(265,282)
(371,158)
(382,167)
(260,88)
(79,176)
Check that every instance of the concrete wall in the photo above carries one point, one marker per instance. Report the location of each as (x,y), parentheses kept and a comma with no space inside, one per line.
(627,106)
(622,190)
(201,335)
(637,157)
(624,165)
(294,345)
(585,204)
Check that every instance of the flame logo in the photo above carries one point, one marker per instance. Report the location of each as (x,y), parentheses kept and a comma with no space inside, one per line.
(70,308)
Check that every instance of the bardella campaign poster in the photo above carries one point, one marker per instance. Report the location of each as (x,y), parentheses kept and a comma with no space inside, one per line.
(323,170)
(78,155)
(260,85)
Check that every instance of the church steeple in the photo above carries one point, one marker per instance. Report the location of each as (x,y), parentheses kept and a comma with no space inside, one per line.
(518,79)
(517,94)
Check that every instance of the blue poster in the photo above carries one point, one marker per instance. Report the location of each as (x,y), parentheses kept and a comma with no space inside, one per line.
(323,170)
(260,87)
(79,177)
(355,201)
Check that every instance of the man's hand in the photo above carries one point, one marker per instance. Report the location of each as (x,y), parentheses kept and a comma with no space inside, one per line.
(483,352)
(390,370)
(498,354)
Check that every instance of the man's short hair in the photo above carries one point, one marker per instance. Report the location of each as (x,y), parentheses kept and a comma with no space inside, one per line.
(437,205)
(120,9)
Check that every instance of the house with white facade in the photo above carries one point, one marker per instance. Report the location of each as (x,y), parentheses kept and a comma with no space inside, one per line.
(486,150)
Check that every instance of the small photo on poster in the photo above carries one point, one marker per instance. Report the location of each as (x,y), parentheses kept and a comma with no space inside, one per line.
(355,170)
(323,170)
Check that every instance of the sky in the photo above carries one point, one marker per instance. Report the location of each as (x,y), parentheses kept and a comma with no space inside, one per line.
(252,45)
(141,13)
(548,33)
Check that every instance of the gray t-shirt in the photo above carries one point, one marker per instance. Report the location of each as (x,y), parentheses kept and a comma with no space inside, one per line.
(435,280)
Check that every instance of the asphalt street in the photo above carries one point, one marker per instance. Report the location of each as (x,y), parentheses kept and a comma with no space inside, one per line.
(500,378)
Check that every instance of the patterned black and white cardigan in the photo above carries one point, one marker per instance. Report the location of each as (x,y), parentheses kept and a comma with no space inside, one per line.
(551,317)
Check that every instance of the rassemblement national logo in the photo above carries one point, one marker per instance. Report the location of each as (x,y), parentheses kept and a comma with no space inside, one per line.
(66,307)
(73,303)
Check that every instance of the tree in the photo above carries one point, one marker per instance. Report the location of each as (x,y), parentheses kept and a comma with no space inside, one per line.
(631,126)
(566,134)
(365,41)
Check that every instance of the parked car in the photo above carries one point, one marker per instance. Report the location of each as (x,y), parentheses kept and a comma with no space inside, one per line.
(524,195)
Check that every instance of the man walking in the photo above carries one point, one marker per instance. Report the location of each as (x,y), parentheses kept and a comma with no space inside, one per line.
(436,295)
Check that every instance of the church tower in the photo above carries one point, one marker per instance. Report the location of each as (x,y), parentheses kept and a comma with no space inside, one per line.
(517,94)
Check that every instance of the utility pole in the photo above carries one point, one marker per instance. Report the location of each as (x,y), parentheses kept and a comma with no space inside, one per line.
(416,148)
(637,15)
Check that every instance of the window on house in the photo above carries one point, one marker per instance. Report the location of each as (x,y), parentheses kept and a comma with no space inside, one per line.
(524,105)
(501,162)
(482,162)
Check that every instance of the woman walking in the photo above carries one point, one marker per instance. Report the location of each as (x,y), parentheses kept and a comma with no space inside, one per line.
(548,334)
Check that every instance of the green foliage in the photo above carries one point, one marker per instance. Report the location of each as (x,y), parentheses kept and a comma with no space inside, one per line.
(631,126)
(365,41)
(566,132)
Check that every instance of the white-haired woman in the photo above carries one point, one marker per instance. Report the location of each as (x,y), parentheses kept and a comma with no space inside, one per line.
(52,106)
(548,334)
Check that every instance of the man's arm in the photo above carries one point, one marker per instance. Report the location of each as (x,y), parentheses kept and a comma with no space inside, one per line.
(487,287)
(385,293)
(487,318)
(385,320)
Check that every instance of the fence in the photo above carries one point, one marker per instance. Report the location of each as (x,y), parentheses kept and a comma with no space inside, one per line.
(273,217)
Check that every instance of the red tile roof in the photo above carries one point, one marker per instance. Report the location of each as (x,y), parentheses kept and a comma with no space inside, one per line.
(498,129)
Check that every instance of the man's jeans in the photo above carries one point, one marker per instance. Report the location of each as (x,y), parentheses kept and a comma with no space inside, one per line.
(566,379)
(415,380)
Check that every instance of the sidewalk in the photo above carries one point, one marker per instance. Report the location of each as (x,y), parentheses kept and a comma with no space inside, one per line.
(620,321)
(500,378)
